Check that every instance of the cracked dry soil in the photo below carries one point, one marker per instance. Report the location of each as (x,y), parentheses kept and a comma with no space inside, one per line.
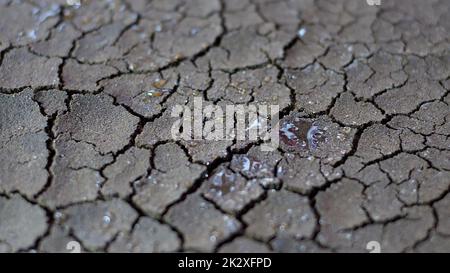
(86,152)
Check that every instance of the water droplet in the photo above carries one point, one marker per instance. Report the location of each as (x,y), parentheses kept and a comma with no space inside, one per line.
(280,171)
(107,218)
(99,180)
(304,217)
(154,93)
(313,135)
(74,3)
(178,57)
(230,223)
(301,32)
(203,205)
(159,83)
(32,34)
(340,136)
(58,216)
(213,236)
(194,31)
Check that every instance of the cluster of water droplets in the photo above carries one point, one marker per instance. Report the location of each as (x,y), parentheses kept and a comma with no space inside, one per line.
(301,134)
(223,182)
(250,166)
(40,15)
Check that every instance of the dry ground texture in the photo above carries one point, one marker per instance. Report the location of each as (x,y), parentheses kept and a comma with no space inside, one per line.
(86,152)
